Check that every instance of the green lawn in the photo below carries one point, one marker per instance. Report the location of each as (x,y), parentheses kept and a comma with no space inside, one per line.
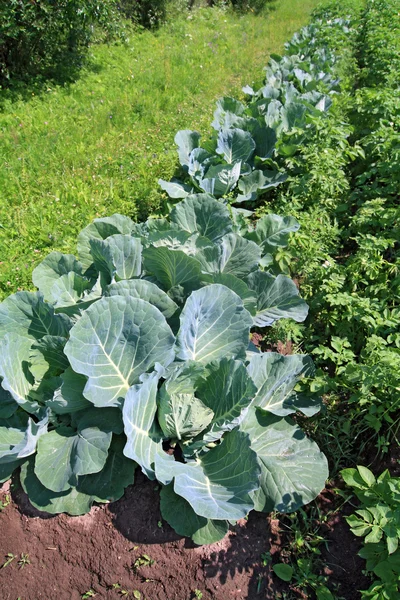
(99,145)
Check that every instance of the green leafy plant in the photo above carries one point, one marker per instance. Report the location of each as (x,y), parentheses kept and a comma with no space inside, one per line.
(89,594)
(234,163)
(24,560)
(142,346)
(9,558)
(378,522)
(149,14)
(39,37)
(143,561)
(238,161)
(5,502)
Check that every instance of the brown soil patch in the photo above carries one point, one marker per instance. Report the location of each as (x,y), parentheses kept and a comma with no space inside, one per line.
(71,555)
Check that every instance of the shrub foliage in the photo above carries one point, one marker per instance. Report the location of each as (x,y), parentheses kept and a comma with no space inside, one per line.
(43,36)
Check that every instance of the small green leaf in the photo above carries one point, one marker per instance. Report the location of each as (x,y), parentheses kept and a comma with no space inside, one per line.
(323,593)
(366,475)
(283,571)
(374,536)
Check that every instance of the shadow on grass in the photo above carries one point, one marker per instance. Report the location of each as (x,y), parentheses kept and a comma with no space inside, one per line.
(63,74)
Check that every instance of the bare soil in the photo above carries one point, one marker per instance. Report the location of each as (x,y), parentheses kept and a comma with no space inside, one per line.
(125,546)
(112,544)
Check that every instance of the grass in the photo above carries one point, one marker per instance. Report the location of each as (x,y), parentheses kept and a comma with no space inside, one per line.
(99,145)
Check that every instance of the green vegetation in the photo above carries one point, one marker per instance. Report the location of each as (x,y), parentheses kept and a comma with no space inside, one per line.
(378,521)
(324,125)
(69,155)
(143,344)
(47,38)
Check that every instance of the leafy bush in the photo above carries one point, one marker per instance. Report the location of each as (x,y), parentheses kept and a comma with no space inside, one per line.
(253,5)
(43,36)
(141,346)
(378,521)
(148,13)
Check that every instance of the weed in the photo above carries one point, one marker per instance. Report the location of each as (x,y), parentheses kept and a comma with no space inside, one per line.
(24,560)
(143,561)
(9,558)
(5,502)
(89,594)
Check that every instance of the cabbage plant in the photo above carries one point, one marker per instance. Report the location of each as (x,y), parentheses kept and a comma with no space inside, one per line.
(239,161)
(138,354)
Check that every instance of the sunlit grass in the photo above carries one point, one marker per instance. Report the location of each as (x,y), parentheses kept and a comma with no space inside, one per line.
(98,146)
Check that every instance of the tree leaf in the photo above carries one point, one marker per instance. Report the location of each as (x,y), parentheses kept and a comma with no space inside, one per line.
(275,377)
(277,298)
(114,342)
(143,436)
(203,214)
(180,516)
(214,324)
(293,469)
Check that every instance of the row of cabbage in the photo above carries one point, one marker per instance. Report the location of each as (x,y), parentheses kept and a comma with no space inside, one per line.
(138,352)
(244,157)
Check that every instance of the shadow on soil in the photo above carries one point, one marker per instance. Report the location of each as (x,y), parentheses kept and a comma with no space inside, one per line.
(137,516)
